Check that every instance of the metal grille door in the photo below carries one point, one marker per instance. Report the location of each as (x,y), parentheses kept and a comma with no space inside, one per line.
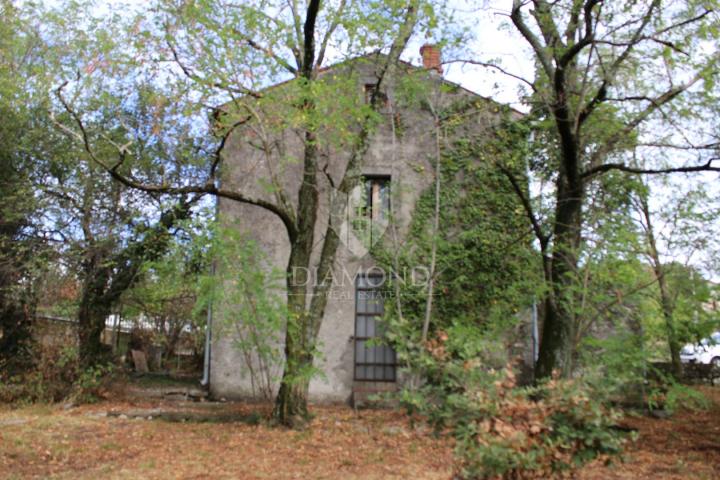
(374,361)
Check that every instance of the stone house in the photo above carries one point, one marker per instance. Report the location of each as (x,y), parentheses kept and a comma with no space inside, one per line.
(401,164)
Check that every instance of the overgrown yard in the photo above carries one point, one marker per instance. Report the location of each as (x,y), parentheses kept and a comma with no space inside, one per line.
(92,442)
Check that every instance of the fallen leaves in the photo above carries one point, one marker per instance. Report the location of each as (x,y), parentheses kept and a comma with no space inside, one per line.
(341,443)
(84,443)
(671,448)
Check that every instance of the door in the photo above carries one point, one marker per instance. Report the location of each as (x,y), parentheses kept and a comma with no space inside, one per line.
(374,361)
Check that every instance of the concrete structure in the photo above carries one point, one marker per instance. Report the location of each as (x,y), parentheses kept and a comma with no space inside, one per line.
(260,161)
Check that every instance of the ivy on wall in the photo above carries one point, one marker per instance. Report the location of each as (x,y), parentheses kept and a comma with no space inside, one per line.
(485,268)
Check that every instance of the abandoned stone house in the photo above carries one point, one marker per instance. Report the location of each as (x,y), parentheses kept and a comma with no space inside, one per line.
(401,164)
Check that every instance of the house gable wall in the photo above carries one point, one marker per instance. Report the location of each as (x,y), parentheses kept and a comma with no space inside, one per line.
(403,149)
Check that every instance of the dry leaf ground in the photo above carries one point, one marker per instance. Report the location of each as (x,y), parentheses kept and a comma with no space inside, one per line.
(49,442)
(685,446)
(82,443)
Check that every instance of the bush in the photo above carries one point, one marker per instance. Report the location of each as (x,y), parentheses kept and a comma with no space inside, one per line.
(503,431)
(534,432)
(56,374)
(622,364)
(666,393)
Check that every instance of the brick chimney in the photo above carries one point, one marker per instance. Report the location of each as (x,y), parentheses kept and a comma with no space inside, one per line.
(431,57)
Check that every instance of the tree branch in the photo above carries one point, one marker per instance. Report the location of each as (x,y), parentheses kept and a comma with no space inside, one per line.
(208,188)
(527,206)
(309,38)
(683,23)
(609,76)
(655,103)
(267,51)
(532,39)
(496,67)
(297,23)
(587,37)
(331,29)
(643,38)
(189,73)
(706,167)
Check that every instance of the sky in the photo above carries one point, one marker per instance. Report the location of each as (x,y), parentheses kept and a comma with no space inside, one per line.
(492,41)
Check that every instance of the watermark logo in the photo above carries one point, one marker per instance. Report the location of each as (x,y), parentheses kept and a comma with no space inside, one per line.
(373,278)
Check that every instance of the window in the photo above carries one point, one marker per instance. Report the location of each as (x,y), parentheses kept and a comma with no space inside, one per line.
(377,197)
(374,361)
(369,89)
(372,209)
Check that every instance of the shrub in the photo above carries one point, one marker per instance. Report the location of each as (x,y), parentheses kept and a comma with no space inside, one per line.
(56,374)
(667,394)
(504,431)
(623,366)
(534,432)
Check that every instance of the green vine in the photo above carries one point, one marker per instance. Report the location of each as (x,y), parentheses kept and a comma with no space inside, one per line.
(486,268)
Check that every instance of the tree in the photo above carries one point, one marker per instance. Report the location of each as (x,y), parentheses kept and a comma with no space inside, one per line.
(608,77)
(678,285)
(72,210)
(21,239)
(109,233)
(167,292)
(106,231)
(245,48)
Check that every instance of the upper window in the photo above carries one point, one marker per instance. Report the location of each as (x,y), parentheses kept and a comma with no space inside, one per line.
(369,89)
(377,197)
(371,209)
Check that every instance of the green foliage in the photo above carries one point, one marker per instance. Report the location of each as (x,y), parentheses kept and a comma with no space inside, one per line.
(622,364)
(91,382)
(23,90)
(621,360)
(691,295)
(247,301)
(166,296)
(486,269)
(672,396)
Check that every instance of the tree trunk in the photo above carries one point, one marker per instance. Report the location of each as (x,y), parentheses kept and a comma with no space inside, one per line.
(434,240)
(666,303)
(557,344)
(291,402)
(108,275)
(668,313)
(291,406)
(91,324)
(92,313)
(16,336)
